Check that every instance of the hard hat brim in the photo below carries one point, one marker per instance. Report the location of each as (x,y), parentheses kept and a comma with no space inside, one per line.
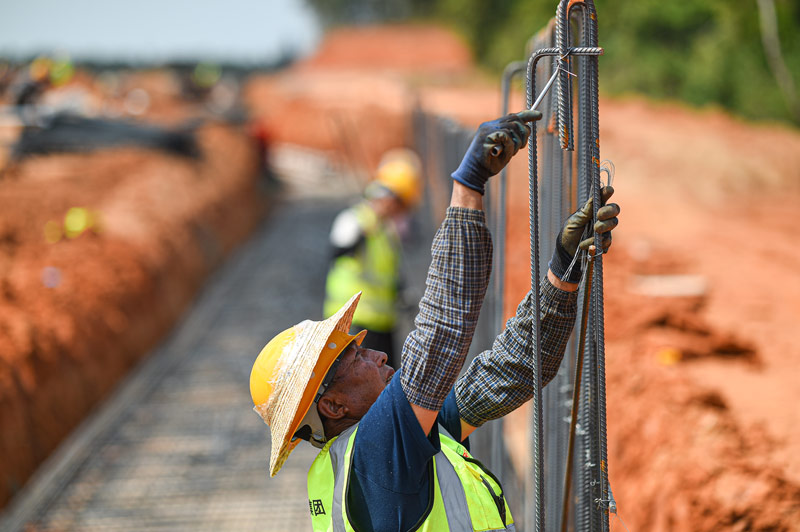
(293,374)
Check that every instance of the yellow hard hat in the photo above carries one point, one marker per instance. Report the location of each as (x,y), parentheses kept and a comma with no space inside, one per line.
(400,172)
(39,69)
(291,373)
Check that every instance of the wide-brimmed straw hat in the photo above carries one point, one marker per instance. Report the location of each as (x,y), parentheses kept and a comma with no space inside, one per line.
(287,379)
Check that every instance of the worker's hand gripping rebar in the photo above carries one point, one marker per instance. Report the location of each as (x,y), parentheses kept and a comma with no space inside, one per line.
(577,234)
(478,164)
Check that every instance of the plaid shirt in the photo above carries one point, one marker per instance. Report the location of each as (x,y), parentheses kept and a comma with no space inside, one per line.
(500,379)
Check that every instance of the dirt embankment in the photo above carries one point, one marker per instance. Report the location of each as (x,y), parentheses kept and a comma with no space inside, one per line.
(99,255)
(710,196)
(353,99)
(702,390)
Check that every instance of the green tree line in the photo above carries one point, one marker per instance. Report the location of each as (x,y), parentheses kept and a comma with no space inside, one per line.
(743,55)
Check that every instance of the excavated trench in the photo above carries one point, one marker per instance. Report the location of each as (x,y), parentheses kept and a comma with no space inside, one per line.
(81,307)
(177,446)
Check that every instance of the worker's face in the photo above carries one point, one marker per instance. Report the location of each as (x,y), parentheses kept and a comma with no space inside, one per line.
(361,377)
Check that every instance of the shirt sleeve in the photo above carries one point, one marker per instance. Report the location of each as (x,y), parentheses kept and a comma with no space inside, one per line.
(500,380)
(434,352)
(389,489)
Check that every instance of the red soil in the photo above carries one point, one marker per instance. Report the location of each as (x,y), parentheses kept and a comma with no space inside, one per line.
(77,313)
(704,431)
(416,50)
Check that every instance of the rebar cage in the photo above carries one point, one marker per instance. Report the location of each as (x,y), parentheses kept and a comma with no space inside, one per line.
(568,479)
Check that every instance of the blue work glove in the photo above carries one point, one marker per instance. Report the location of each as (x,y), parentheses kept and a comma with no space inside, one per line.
(571,237)
(494,144)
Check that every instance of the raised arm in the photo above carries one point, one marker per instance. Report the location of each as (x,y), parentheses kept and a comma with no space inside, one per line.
(499,380)
(461,255)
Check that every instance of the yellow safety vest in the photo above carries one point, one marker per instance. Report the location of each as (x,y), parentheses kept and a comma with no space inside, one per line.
(466,496)
(373,269)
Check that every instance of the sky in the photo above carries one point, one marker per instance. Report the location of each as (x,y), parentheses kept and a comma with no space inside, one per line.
(241,31)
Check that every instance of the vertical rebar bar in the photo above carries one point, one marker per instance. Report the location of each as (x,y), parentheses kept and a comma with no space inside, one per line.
(587,288)
(586,513)
(564,88)
(598,275)
(561,387)
(498,451)
(551,170)
(535,512)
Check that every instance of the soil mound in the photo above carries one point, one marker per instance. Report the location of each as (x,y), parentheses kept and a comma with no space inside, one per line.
(99,255)
(353,99)
(701,362)
(420,49)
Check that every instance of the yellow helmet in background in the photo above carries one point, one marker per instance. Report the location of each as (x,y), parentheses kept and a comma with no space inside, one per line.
(39,69)
(290,375)
(400,171)
(57,71)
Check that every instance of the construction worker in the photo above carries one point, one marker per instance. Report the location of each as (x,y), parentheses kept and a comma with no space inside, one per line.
(394,449)
(366,250)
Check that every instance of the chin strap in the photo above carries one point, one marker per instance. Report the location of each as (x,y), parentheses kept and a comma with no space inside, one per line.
(311,428)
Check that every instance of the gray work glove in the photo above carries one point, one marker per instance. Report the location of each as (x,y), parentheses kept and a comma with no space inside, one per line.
(571,237)
(510,133)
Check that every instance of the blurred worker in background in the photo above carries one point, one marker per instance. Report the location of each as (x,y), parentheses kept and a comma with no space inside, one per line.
(32,82)
(262,137)
(395,454)
(366,250)
(42,74)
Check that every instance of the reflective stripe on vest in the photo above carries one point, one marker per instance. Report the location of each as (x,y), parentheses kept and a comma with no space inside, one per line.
(462,497)
(373,270)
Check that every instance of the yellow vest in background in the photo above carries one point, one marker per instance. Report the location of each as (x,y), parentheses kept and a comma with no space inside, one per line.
(373,269)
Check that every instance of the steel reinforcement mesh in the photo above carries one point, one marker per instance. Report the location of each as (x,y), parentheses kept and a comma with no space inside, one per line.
(564,170)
